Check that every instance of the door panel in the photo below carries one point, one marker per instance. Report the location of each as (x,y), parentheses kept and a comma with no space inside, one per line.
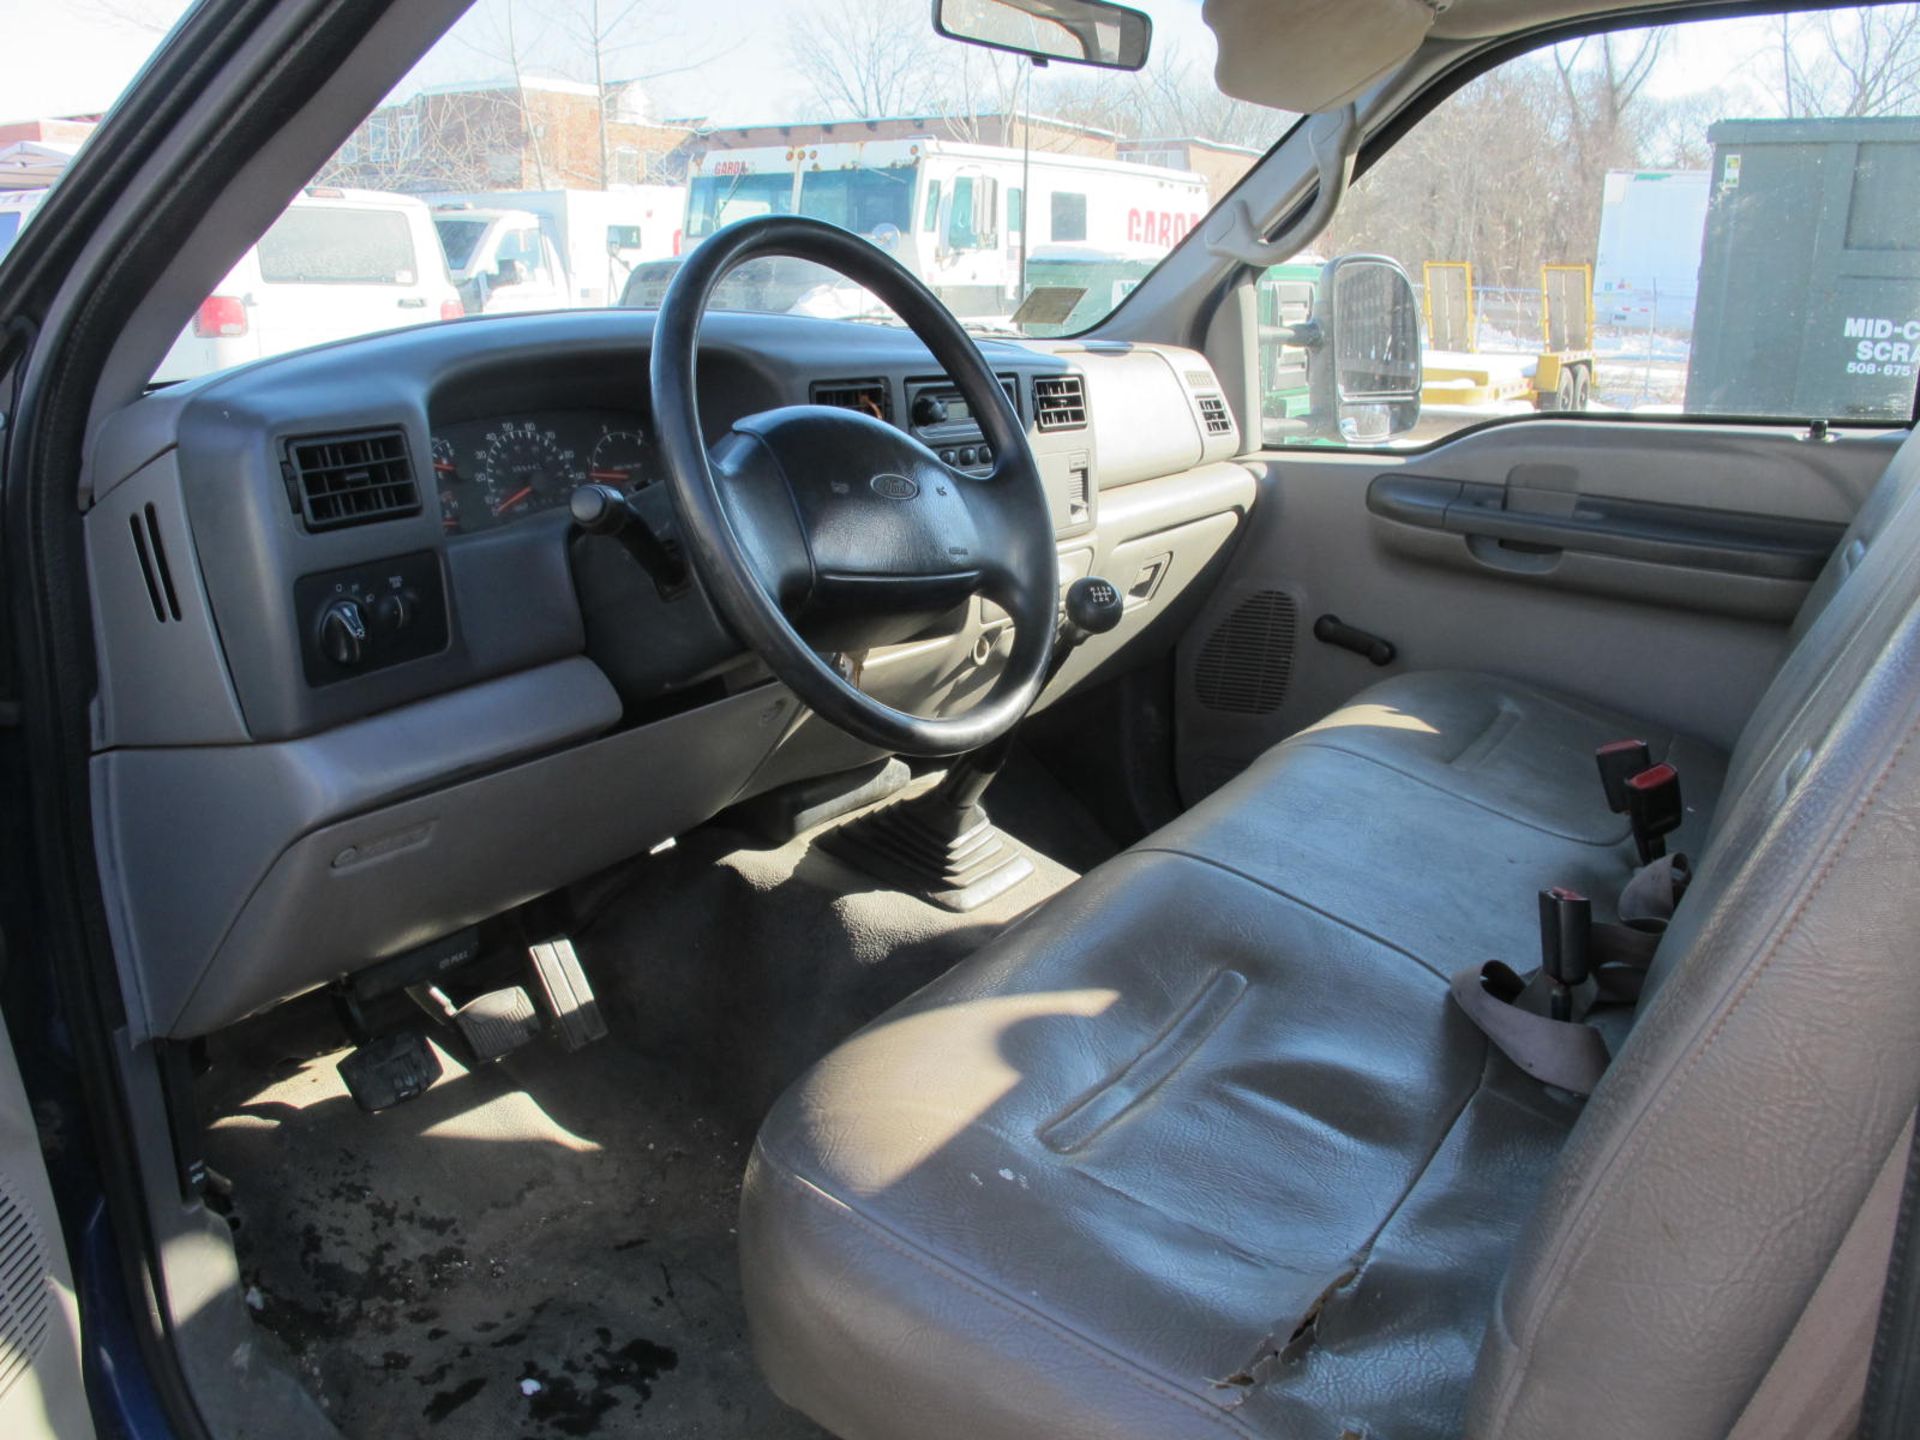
(1651,567)
(41,1391)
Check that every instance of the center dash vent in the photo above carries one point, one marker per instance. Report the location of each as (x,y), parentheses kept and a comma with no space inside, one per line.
(341,480)
(869,397)
(1059,402)
(1213,410)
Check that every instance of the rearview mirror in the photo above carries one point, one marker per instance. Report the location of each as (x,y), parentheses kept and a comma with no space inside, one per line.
(1080,32)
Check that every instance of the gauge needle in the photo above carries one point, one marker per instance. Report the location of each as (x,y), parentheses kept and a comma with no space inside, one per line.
(610,477)
(512,500)
(444,467)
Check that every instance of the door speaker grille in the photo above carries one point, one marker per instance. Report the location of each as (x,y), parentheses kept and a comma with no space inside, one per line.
(1245,665)
(25,1315)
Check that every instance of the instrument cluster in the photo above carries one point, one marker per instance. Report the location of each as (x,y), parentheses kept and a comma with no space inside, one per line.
(495,471)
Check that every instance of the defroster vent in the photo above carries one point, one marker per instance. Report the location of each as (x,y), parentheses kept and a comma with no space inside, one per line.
(1246,662)
(341,480)
(1060,402)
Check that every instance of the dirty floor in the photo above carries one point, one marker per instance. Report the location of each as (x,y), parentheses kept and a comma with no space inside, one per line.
(545,1246)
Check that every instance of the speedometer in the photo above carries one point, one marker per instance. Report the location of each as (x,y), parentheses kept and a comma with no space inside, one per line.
(522,467)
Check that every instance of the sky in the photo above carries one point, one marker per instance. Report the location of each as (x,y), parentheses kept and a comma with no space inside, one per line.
(84,52)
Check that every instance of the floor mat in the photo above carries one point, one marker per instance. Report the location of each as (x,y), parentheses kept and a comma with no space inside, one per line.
(545,1246)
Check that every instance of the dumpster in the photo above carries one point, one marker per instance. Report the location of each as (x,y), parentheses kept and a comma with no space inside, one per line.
(1809,271)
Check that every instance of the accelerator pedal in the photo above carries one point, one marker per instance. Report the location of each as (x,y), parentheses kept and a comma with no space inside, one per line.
(568,995)
(498,1022)
(389,1070)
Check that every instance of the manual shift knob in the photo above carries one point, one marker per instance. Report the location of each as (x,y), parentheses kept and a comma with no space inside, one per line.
(1093,605)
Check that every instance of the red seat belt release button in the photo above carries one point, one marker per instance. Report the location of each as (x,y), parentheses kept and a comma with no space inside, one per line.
(1653,805)
(1620,760)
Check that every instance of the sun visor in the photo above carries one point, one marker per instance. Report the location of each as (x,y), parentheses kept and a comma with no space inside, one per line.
(1309,55)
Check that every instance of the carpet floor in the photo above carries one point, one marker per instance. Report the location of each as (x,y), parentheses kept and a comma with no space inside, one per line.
(545,1246)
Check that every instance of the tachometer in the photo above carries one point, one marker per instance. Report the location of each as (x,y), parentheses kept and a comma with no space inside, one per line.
(623,458)
(522,468)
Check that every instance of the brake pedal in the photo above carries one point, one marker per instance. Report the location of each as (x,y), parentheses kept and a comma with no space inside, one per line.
(389,1070)
(497,1023)
(569,997)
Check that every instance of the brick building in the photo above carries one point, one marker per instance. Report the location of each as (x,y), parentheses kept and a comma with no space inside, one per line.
(537,134)
(1223,165)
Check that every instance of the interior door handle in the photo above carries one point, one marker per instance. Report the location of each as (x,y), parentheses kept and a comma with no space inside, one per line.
(1688,536)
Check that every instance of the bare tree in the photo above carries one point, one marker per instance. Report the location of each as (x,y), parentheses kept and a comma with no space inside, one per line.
(867,57)
(1847,62)
(1601,79)
(605,33)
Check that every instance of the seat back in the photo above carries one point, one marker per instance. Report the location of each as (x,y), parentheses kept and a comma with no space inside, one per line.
(1775,1060)
(1836,605)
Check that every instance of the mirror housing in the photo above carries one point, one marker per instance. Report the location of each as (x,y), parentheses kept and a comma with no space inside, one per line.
(1368,373)
(1340,350)
(1078,32)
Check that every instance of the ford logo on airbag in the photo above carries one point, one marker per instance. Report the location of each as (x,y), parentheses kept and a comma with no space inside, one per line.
(895,487)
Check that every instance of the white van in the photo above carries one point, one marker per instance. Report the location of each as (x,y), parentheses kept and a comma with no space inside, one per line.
(501,260)
(15,207)
(338,263)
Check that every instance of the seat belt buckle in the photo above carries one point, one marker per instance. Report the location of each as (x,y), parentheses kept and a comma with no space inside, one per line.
(1619,761)
(1653,805)
(1566,927)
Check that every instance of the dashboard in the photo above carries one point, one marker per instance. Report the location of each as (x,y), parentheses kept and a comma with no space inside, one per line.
(363,684)
(497,470)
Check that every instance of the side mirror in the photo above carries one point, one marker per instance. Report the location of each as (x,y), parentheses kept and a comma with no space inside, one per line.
(1079,32)
(1364,375)
(509,272)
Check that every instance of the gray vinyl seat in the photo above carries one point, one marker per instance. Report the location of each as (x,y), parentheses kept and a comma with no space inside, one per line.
(1203,1148)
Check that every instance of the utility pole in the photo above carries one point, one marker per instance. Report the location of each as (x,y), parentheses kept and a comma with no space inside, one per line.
(1026,176)
(599,89)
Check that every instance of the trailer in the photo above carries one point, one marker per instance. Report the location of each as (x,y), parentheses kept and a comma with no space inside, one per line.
(1646,270)
(1809,275)
(567,248)
(1557,376)
(969,220)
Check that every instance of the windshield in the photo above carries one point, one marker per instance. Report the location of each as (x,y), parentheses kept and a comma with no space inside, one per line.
(603,142)
(457,238)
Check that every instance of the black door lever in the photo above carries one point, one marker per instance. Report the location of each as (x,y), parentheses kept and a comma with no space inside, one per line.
(1332,630)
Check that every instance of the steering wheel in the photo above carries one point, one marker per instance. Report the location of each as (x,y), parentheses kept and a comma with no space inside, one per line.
(819,529)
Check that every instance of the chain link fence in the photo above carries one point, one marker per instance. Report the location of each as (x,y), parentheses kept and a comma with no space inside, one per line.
(1640,342)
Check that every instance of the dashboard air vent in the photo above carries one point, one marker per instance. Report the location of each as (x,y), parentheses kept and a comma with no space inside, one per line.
(1213,410)
(1060,402)
(869,397)
(25,1283)
(152,553)
(341,480)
